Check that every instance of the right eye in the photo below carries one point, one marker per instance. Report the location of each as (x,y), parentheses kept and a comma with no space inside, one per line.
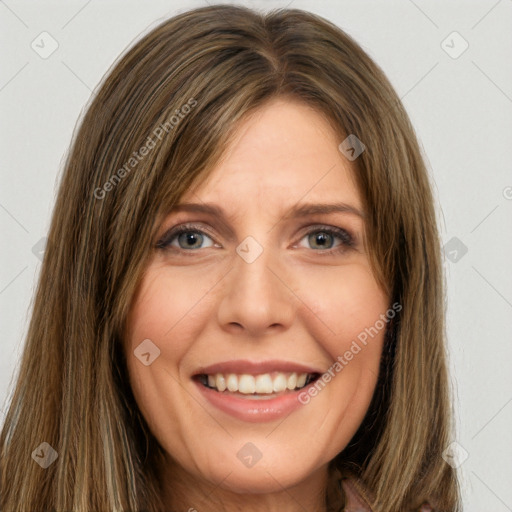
(184,237)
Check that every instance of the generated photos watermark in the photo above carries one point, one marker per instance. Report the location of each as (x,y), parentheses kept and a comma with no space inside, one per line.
(305,396)
(144,150)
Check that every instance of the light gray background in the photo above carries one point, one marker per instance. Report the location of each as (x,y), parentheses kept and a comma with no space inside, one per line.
(461,108)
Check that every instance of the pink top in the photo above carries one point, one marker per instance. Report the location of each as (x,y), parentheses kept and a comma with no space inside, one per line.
(356,503)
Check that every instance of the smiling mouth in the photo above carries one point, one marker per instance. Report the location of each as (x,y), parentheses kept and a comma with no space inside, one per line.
(261,386)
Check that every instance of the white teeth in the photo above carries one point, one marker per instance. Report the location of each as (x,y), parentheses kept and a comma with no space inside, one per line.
(220,382)
(301,380)
(292,381)
(260,384)
(264,383)
(280,383)
(246,384)
(232,382)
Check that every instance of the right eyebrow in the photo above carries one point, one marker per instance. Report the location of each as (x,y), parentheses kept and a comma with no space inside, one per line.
(199,208)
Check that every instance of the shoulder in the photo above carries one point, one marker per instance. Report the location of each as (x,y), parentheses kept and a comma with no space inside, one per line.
(358,498)
(355,502)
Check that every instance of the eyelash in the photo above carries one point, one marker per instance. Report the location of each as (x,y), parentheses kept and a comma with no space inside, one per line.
(347,241)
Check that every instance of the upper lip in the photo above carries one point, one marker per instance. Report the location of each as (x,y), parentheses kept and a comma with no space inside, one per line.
(256,367)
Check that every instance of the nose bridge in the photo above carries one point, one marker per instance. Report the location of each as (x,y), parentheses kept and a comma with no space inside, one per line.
(252,268)
(252,265)
(256,298)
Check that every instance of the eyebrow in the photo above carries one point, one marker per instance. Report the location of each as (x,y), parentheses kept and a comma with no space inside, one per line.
(299,210)
(312,209)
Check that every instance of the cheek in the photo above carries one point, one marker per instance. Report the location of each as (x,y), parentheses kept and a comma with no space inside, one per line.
(156,314)
(348,304)
(167,309)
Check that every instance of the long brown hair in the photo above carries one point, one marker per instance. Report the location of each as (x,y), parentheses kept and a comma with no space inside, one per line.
(179,93)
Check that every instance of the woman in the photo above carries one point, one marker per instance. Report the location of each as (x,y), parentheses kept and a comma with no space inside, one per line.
(191,346)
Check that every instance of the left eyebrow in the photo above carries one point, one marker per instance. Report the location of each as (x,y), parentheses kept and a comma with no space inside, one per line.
(303,210)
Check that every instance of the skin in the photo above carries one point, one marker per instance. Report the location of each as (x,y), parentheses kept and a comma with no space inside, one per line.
(298,301)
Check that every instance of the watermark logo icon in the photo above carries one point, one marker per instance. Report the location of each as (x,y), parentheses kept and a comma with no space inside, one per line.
(454,45)
(146,352)
(351,147)
(455,249)
(249,455)
(44,455)
(44,45)
(455,454)
(249,249)
(39,248)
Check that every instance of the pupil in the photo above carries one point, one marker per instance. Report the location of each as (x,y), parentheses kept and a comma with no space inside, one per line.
(190,238)
(321,238)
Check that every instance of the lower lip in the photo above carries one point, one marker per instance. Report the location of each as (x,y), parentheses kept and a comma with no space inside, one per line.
(251,410)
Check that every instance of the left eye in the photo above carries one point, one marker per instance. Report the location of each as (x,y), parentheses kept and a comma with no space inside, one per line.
(323,238)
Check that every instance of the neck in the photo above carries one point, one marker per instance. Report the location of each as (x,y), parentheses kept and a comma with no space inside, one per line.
(186,492)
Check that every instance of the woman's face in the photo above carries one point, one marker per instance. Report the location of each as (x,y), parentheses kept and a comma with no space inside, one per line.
(258,294)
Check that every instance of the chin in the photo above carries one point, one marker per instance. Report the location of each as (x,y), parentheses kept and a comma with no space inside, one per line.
(265,477)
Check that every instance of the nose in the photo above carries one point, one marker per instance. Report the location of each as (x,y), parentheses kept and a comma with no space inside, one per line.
(257,296)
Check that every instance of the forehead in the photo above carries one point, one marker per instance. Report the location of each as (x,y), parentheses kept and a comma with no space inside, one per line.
(283,152)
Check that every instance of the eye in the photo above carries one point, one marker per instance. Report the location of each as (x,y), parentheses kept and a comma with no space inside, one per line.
(184,237)
(324,237)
